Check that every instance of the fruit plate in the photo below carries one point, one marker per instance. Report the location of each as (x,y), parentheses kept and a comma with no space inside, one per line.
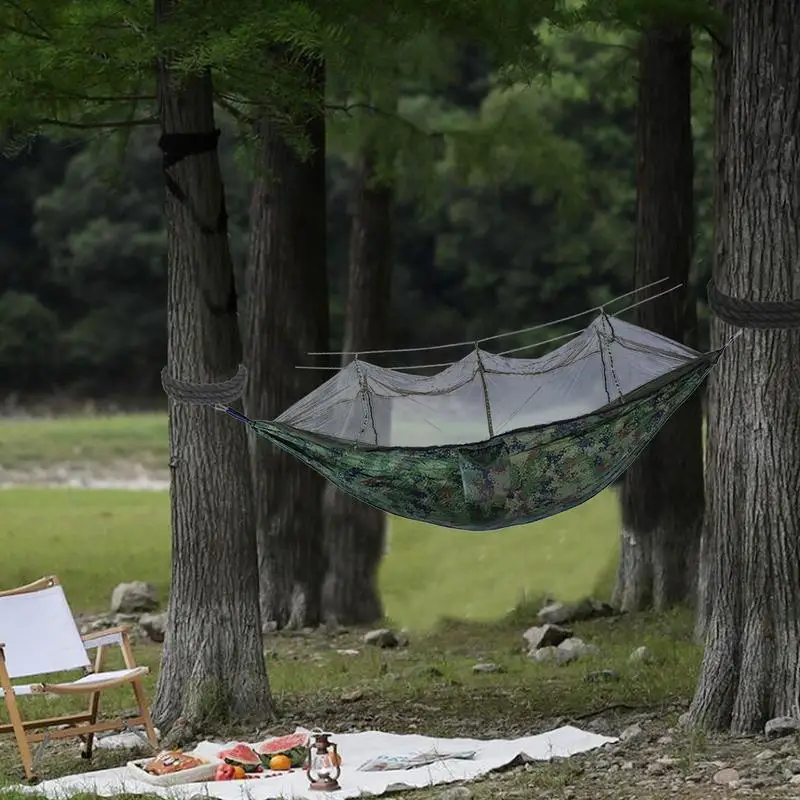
(203,772)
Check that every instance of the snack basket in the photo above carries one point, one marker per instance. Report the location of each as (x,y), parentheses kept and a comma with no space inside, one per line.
(203,772)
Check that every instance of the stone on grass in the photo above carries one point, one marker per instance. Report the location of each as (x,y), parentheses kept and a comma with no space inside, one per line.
(543,656)
(555,614)
(631,733)
(572,649)
(725,777)
(588,608)
(487,668)
(641,655)
(602,676)
(352,697)
(128,598)
(545,636)
(455,793)
(781,726)
(381,637)
(153,625)
(766,755)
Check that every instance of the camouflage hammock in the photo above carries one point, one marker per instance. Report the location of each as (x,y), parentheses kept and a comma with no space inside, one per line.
(491,441)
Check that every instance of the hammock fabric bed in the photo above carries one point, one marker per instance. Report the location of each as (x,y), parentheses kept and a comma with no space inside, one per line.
(490,441)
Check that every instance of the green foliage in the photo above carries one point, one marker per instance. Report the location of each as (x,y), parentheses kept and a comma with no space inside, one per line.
(28,338)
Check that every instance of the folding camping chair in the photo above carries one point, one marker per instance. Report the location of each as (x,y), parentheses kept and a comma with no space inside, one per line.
(38,637)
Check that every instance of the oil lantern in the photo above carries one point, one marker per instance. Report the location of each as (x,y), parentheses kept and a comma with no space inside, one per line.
(323,764)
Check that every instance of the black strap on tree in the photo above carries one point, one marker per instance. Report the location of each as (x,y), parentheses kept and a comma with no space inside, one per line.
(756,314)
(176,147)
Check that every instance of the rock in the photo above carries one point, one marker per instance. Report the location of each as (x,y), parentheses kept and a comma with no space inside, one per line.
(606,675)
(347,652)
(487,668)
(794,780)
(793,766)
(781,726)
(455,793)
(555,614)
(766,755)
(153,625)
(726,777)
(352,697)
(631,733)
(382,637)
(588,608)
(131,597)
(543,656)
(572,649)
(641,655)
(546,636)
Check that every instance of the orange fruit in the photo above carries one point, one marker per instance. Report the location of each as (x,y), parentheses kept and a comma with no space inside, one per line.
(238,773)
(280,761)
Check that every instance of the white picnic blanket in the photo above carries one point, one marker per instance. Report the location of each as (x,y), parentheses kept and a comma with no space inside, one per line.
(355,749)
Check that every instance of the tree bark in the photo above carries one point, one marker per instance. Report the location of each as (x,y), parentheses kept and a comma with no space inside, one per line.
(708,572)
(751,667)
(287,317)
(212,666)
(355,533)
(662,493)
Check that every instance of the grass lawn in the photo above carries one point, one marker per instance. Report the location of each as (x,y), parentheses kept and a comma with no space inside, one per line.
(466,597)
(94,539)
(28,443)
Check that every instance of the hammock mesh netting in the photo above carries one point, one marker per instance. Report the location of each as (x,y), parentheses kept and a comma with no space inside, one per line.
(493,441)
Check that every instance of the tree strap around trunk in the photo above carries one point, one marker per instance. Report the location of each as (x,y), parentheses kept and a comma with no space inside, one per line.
(205,394)
(755,314)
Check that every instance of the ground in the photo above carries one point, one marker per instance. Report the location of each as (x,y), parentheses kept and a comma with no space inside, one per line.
(429,686)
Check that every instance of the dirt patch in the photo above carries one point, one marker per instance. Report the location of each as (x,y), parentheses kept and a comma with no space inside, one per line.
(117,475)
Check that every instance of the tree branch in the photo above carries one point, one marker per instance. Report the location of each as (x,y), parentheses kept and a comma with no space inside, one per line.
(25,34)
(45,34)
(62,123)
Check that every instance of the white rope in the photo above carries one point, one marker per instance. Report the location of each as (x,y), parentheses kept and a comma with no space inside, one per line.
(471,342)
(552,339)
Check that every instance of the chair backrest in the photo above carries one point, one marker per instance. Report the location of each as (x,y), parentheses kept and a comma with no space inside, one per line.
(38,631)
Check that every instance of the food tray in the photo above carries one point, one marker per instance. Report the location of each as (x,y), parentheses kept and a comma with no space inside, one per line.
(204,772)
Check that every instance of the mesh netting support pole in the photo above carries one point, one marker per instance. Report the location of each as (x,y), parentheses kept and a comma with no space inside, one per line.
(366,403)
(486,403)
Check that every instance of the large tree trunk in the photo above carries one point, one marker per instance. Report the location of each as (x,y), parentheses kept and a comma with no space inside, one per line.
(662,494)
(355,533)
(287,317)
(708,572)
(751,667)
(212,666)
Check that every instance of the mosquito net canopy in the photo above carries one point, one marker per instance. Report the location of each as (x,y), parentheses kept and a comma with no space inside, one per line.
(484,394)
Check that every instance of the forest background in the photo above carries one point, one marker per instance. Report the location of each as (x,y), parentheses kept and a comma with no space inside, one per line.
(514,205)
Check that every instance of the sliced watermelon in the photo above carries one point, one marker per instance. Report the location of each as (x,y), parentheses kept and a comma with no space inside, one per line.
(295,746)
(241,755)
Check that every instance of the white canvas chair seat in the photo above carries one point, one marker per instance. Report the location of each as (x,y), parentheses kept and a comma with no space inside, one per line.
(38,637)
(88,683)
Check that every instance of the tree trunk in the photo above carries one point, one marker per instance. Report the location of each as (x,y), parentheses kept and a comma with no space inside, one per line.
(287,317)
(751,667)
(355,533)
(708,572)
(212,667)
(662,494)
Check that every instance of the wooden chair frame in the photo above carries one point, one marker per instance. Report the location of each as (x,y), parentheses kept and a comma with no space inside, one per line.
(85,724)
